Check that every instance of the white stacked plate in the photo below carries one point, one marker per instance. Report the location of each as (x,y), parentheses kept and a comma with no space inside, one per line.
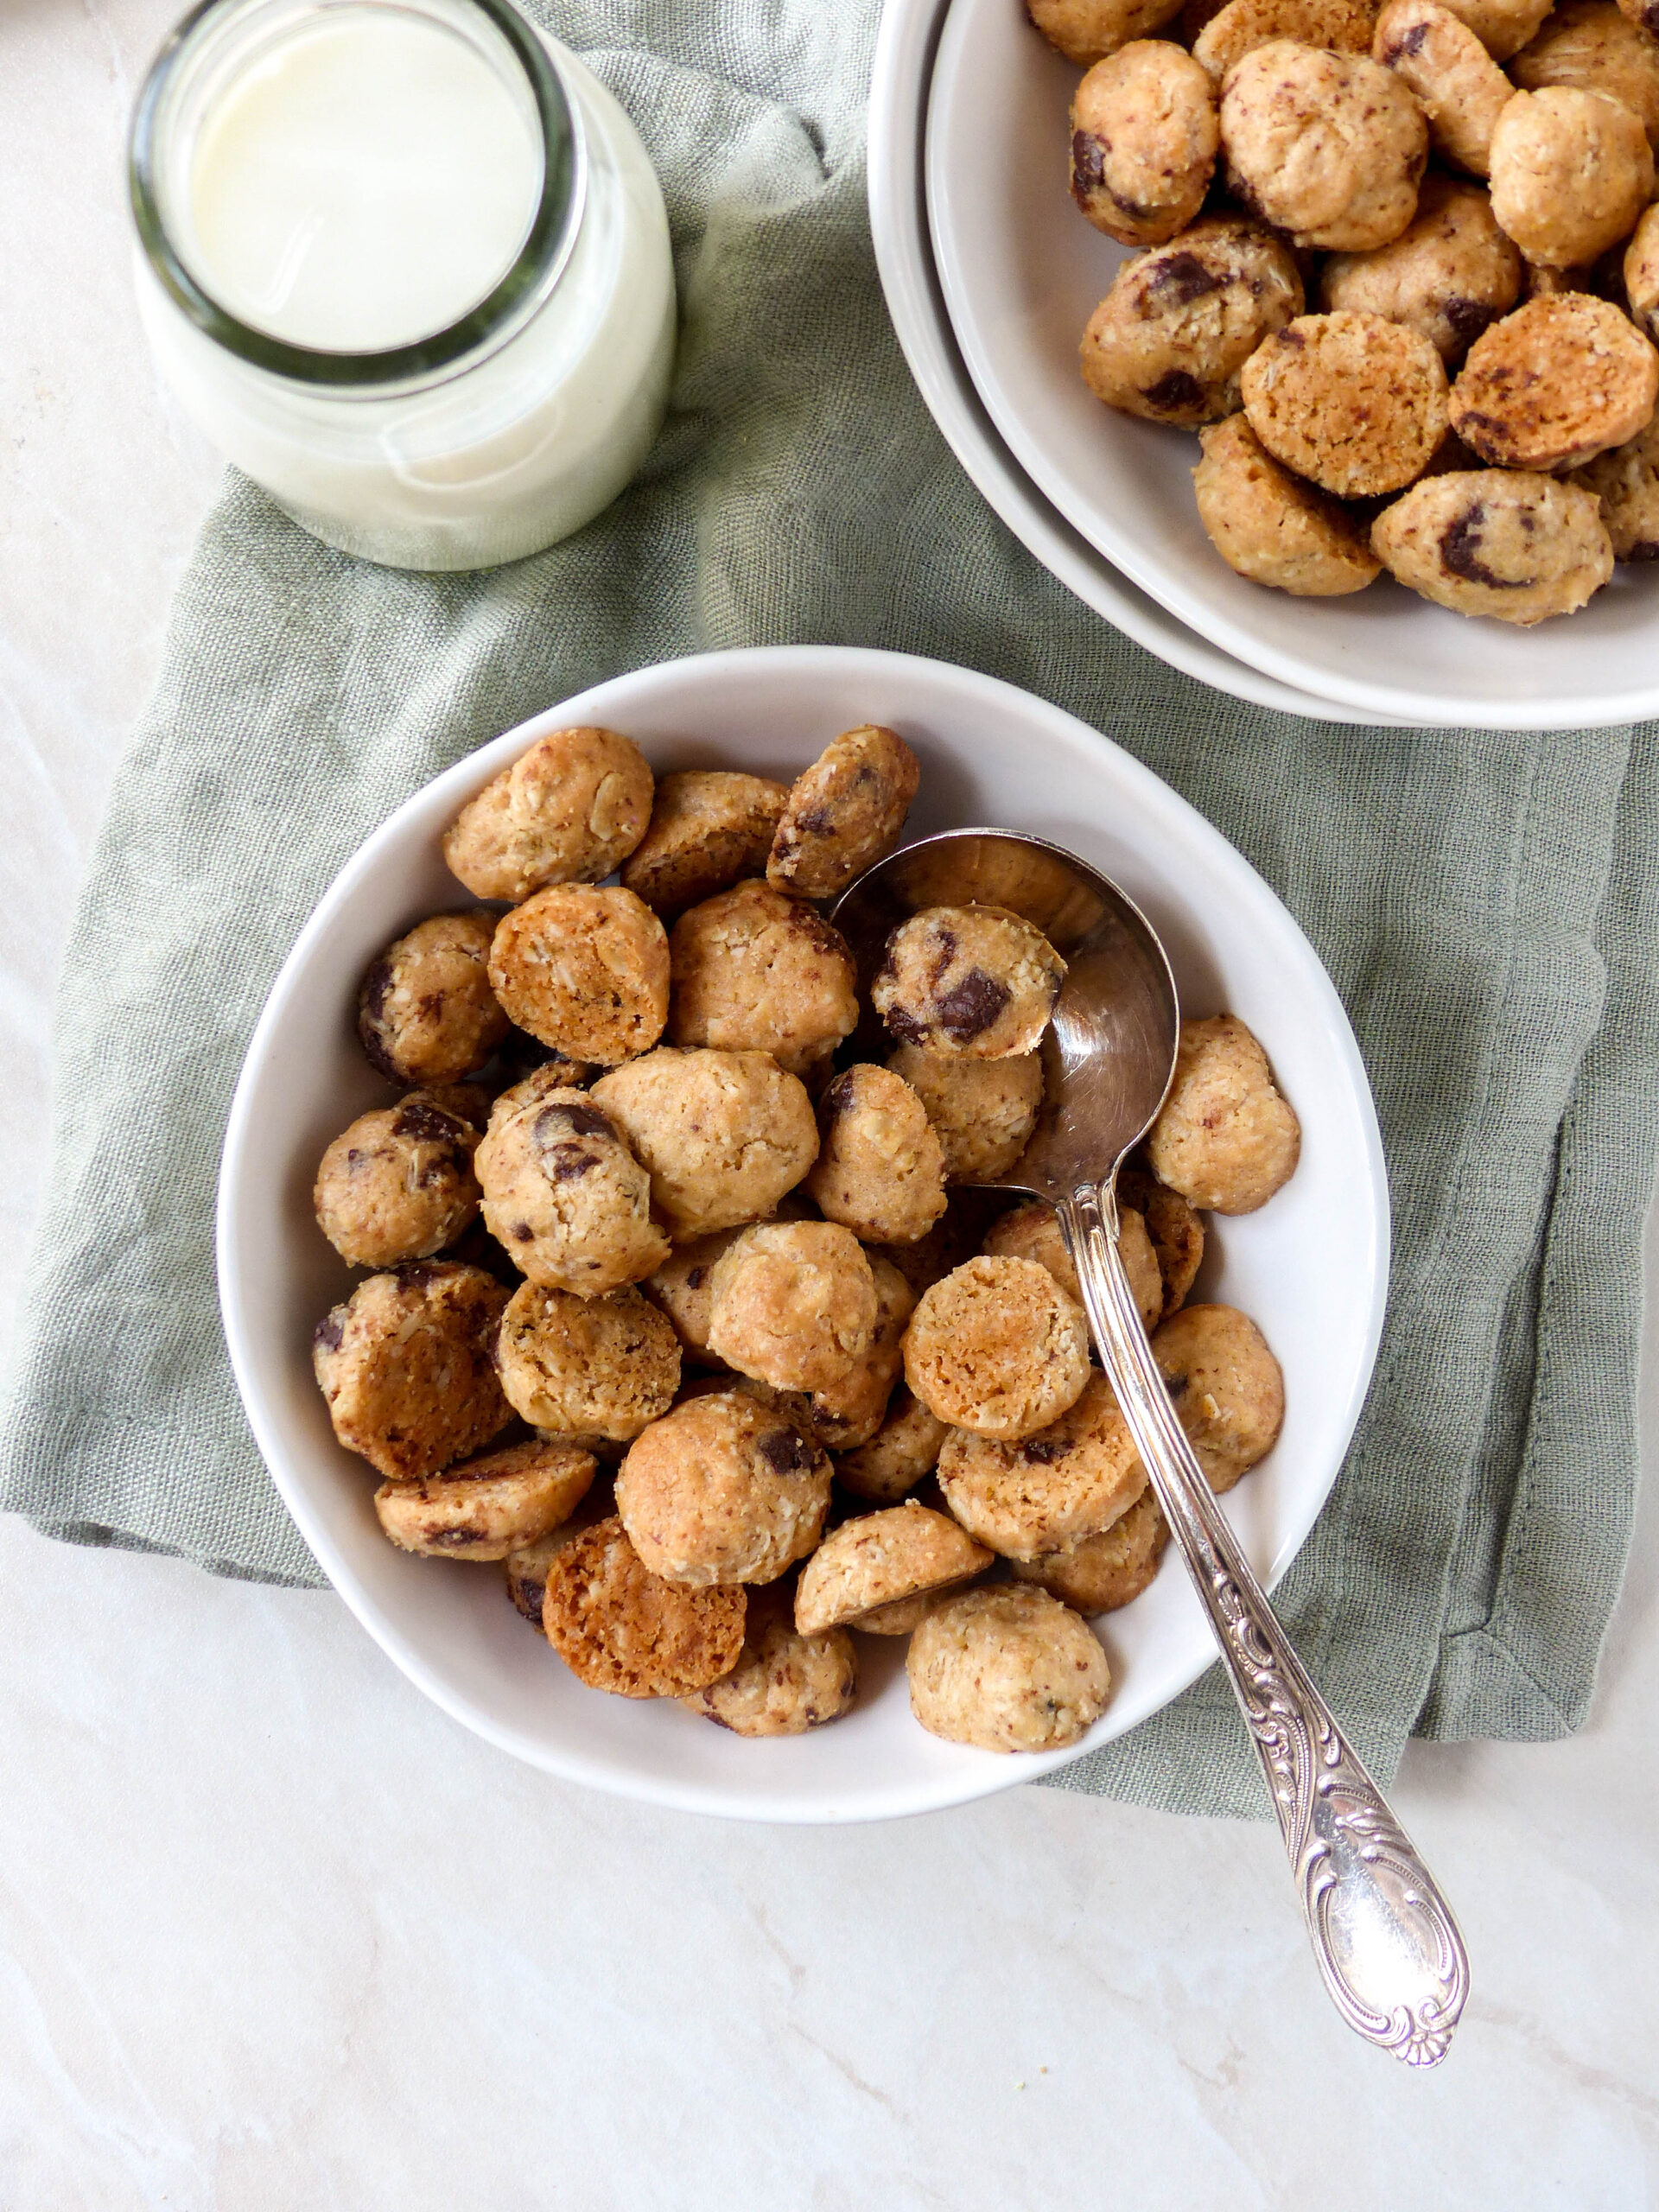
(990,275)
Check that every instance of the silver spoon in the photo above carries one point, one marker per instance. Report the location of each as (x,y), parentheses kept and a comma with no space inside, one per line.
(1387,1945)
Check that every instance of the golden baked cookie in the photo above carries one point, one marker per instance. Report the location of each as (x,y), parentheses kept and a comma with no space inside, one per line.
(793,1304)
(903,1451)
(1098,1574)
(1073,1479)
(564,1195)
(618,1627)
(880,1170)
(582,1367)
(1640,271)
(1009,1669)
(708,827)
(880,1559)
(1225,1138)
(1144,139)
(1589,44)
(1271,526)
(722,1490)
(1329,147)
(398,1184)
(974,981)
(1168,341)
(983,1112)
(997,1348)
(1554,384)
(1033,1232)
(1226,1388)
(1462,89)
(1570,172)
(1501,26)
(489,1507)
(585,969)
(723,1134)
(783,1683)
(1086,31)
(843,813)
(1496,541)
(754,971)
(526,1569)
(1355,403)
(426,1012)
(1626,482)
(1231,32)
(1176,1231)
(568,811)
(842,1415)
(683,1289)
(1449,275)
(405,1364)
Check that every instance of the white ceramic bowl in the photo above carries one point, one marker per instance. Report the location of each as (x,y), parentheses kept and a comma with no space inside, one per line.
(1022,271)
(901,78)
(1310,1267)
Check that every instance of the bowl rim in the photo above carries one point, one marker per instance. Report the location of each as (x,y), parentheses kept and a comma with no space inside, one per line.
(439,798)
(1559,710)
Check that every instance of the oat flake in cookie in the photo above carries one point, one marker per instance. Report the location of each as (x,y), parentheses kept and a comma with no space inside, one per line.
(977,981)
(426,1012)
(844,813)
(1494,541)
(1009,1669)
(722,1490)
(405,1366)
(620,1628)
(568,810)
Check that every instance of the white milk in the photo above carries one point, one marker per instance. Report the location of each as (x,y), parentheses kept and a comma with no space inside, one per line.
(352,179)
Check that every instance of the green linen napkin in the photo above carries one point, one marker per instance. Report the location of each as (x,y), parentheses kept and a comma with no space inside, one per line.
(1486,904)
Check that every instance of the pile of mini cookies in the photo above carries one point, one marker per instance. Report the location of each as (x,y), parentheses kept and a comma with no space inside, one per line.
(685,1303)
(1399,271)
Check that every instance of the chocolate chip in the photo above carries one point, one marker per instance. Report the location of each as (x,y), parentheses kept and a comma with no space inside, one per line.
(1468,318)
(377,988)
(945,942)
(817,822)
(837,1099)
(905,1026)
(1409,42)
(696,1278)
(417,1275)
(587,1120)
(1180,278)
(523,1231)
(1644,549)
(330,1331)
(1460,550)
(430,1005)
(786,1453)
(1042,1452)
(1173,394)
(969,1007)
(1176,1384)
(429,1124)
(565,1163)
(1088,165)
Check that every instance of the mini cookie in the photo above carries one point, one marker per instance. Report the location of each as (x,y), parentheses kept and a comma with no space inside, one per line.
(398,1184)
(1168,341)
(568,811)
(1554,384)
(489,1507)
(1073,1479)
(997,1348)
(1350,400)
(586,970)
(587,1367)
(983,1112)
(904,1450)
(564,1195)
(1498,542)
(1033,1232)
(526,1569)
(754,971)
(1226,1388)
(1626,482)
(1228,33)
(976,980)
(881,1559)
(1009,1669)
(724,1135)
(1462,89)
(1086,31)
(1144,138)
(426,1012)
(405,1364)
(793,1304)
(1590,45)
(1269,525)
(1449,275)
(1097,1574)
(1225,1139)
(880,1170)
(722,1490)
(683,1289)
(1176,1231)
(843,813)
(708,828)
(1501,26)
(1641,274)
(783,1683)
(618,1627)
(1570,171)
(846,1414)
(1327,147)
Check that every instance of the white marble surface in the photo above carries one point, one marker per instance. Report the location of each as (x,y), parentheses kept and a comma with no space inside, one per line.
(273,1932)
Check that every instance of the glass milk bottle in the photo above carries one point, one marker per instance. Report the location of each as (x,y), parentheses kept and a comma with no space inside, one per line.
(407,264)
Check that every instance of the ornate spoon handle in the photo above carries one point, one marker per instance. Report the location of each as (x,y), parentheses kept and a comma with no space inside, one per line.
(1384,1937)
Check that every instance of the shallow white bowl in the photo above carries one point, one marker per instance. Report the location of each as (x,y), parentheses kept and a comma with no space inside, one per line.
(1311,1267)
(1022,273)
(901,78)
